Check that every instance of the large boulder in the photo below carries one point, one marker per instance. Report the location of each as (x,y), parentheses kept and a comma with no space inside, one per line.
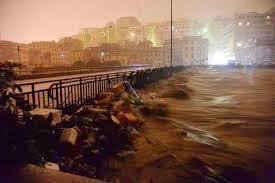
(69,136)
(43,116)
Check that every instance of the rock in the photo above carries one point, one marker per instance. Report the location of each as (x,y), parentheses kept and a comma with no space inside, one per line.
(115,119)
(90,111)
(79,132)
(119,105)
(101,138)
(91,139)
(43,116)
(118,89)
(103,95)
(66,118)
(85,130)
(52,166)
(68,136)
(101,118)
(105,98)
(93,110)
(125,96)
(132,131)
(86,121)
(124,87)
(96,151)
(127,118)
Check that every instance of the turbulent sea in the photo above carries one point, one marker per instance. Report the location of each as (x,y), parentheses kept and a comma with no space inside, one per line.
(220,128)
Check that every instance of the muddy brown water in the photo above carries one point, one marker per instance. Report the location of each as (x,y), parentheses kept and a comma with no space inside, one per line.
(223,132)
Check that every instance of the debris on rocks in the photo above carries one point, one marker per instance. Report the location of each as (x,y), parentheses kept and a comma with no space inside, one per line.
(80,142)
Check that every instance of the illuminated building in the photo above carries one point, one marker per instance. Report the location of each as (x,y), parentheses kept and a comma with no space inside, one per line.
(190,50)
(250,28)
(8,51)
(217,34)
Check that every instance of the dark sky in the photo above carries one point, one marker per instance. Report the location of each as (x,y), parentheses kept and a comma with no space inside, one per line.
(30,20)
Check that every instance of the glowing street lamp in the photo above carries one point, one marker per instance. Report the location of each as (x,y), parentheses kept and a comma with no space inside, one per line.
(102,55)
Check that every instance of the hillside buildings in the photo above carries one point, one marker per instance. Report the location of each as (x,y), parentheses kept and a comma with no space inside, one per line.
(246,38)
(250,31)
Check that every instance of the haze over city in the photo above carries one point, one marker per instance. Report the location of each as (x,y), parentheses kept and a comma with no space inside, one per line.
(34,20)
(137,91)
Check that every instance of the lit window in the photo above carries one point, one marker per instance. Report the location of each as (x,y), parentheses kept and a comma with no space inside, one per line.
(248,23)
(240,23)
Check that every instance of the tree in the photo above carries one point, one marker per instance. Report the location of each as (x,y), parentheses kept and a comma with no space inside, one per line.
(10,100)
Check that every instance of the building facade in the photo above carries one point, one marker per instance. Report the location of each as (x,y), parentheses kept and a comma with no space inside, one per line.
(8,51)
(244,31)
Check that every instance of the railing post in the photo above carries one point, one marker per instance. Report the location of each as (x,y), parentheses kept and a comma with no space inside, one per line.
(57,97)
(33,95)
(80,81)
(108,81)
(96,89)
(61,94)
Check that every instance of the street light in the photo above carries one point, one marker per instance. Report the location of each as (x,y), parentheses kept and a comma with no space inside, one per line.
(101,56)
(171,27)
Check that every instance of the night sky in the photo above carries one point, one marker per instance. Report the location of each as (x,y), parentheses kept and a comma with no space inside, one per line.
(32,20)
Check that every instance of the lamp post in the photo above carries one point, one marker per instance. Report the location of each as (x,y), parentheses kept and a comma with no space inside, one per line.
(171,29)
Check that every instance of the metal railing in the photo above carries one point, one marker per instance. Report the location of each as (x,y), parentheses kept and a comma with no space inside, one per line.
(69,93)
(25,73)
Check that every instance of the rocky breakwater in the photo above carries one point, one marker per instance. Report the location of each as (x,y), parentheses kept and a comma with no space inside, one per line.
(80,142)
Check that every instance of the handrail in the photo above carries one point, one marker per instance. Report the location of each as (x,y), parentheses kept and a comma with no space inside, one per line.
(64,79)
(70,92)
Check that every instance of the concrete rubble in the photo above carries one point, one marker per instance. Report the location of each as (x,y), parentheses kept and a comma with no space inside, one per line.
(78,143)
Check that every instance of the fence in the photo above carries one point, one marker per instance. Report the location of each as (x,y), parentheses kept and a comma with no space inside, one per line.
(46,72)
(68,93)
